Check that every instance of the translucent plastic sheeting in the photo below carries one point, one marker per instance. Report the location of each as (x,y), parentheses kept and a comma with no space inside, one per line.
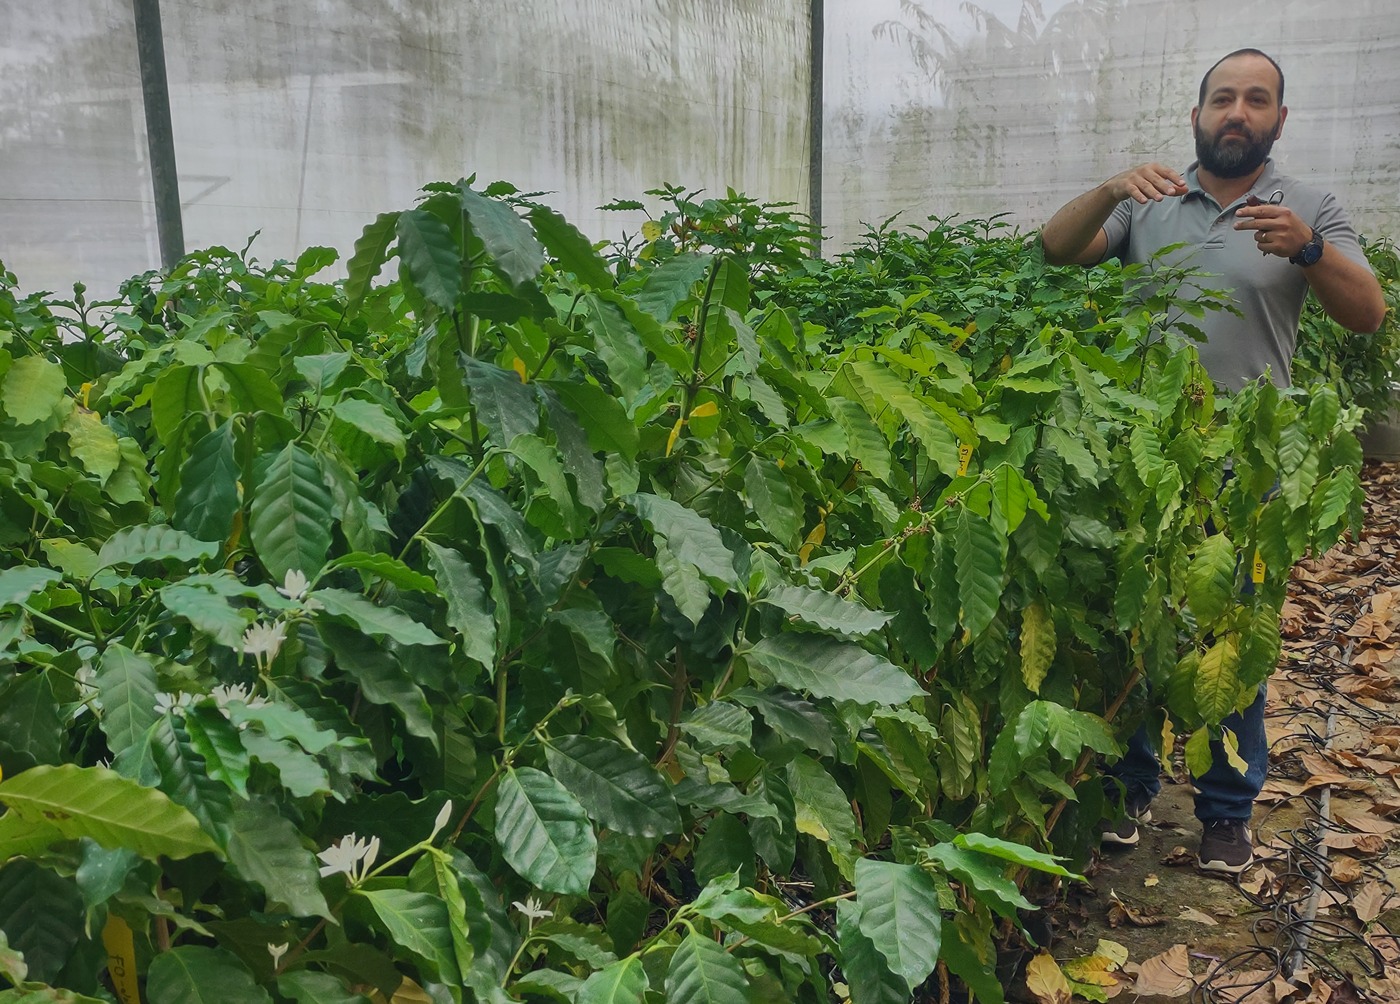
(303,119)
(944,107)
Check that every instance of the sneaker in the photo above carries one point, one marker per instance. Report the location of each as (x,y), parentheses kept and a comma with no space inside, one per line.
(1124,833)
(1225,846)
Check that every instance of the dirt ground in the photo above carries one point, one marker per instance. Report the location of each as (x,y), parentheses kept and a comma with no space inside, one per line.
(1325,827)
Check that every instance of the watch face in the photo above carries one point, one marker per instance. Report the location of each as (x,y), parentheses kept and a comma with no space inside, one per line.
(1312,251)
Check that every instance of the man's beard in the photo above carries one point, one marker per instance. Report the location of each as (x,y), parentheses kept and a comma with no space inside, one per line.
(1235,159)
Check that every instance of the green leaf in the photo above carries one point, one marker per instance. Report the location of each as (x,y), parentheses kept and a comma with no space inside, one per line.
(216,740)
(772,499)
(867,442)
(1198,752)
(1038,645)
(302,775)
(127,683)
(980,558)
(12,965)
(385,567)
(184,777)
(370,251)
(193,974)
(374,421)
(825,667)
(416,922)
(683,584)
(291,515)
(691,537)
(92,442)
(306,987)
(900,915)
(570,248)
(468,605)
(868,976)
(516,253)
(543,832)
(209,611)
(1210,579)
(19,583)
(617,786)
(826,610)
(208,497)
(672,283)
(986,877)
(372,619)
(622,982)
(101,804)
(618,344)
(32,389)
(1027,857)
(1218,679)
(29,717)
(602,416)
(1012,497)
(504,405)
(823,810)
(428,251)
(266,848)
(382,679)
(42,917)
(321,370)
(702,972)
(719,724)
(135,544)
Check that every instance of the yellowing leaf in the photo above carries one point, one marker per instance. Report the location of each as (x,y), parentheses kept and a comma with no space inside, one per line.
(707,410)
(1168,739)
(675,434)
(1112,951)
(1046,980)
(518,365)
(1037,645)
(1232,751)
(1198,756)
(651,230)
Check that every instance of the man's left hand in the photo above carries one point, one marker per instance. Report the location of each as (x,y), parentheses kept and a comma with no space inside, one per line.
(1278,230)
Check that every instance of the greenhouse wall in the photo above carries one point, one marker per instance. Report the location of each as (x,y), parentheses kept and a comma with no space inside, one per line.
(943,107)
(302,120)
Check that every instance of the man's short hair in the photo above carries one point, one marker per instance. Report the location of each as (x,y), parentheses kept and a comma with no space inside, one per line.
(1242,52)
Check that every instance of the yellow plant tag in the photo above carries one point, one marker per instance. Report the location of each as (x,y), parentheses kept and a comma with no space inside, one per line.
(707,410)
(121,959)
(964,457)
(1259,568)
(968,332)
(651,230)
(518,365)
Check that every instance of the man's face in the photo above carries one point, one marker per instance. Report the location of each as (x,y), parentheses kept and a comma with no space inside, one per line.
(1236,126)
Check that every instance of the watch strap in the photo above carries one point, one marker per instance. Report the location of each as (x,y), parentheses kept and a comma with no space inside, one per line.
(1310,253)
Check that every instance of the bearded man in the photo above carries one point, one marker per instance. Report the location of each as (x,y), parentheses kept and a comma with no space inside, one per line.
(1267,240)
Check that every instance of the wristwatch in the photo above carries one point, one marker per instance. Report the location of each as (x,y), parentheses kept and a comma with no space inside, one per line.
(1310,252)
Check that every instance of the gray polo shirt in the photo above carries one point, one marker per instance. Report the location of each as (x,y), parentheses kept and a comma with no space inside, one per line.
(1268,291)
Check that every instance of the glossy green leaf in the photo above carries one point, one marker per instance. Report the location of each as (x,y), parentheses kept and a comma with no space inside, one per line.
(826,667)
(219,744)
(672,283)
(382,680)
(429,253)
(133,545)
(1218,679)
(208,611)
(1020,854)
(618,344)
(468,604)
(979,569)
(304,986)
(1210,579)
(207,500)
(900,915)
(823,810)
(868,975)
(718,724)
(101,804)
(32,389)
(374,421)
(92,442)
(772,499)
(265,848)
(544,833)
(622,982)
(417,923)
(372,619)
(702,972)
(371,249)
(41,916)
(505,407)
(291,515)
(193,974)
(602,416)
(826,610)
(570,248)
(691,537)
(23,581)
(516,253)
(127,683)
(185,778)
(616,786)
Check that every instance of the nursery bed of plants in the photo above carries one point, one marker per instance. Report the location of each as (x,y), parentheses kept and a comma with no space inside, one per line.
(523,619)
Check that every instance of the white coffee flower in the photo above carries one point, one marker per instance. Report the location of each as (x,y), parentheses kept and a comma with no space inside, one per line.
(263,641)
(443,815)
(277,951)
(87,691)
(295,584)
(351,856)
(168,703)
(532,909)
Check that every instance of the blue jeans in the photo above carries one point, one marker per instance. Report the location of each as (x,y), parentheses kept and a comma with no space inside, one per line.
(1222,792)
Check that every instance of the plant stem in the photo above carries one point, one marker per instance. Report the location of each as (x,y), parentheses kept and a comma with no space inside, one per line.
(76,632)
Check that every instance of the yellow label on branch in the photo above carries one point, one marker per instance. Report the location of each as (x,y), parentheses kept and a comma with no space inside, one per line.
(1259,568)
(964,457)
(121,959)
(518,365)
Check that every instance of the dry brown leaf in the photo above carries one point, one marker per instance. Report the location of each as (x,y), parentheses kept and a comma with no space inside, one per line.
(1371,901)
(1151,880)
(1362,843)
(1167,975)
(1046,980)
(1346,870)
(1359,819)
(1179,857)
(1197,917)
(1121,912)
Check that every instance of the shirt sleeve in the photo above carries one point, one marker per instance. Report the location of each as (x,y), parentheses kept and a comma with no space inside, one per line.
(1335,227)
(1116,229)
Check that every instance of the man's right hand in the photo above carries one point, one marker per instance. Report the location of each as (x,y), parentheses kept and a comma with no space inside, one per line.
(1075,233)
(1147,181)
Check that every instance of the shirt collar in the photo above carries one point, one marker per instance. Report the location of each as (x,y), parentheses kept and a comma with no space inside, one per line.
(1263,187)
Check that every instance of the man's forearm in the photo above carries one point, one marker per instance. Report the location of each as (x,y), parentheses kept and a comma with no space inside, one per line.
(1348,291)
(1072,231)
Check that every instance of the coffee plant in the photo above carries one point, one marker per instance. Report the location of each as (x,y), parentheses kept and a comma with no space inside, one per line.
(509,622)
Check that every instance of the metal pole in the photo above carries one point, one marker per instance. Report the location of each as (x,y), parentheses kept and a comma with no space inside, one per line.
(814,121)
(160,138)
